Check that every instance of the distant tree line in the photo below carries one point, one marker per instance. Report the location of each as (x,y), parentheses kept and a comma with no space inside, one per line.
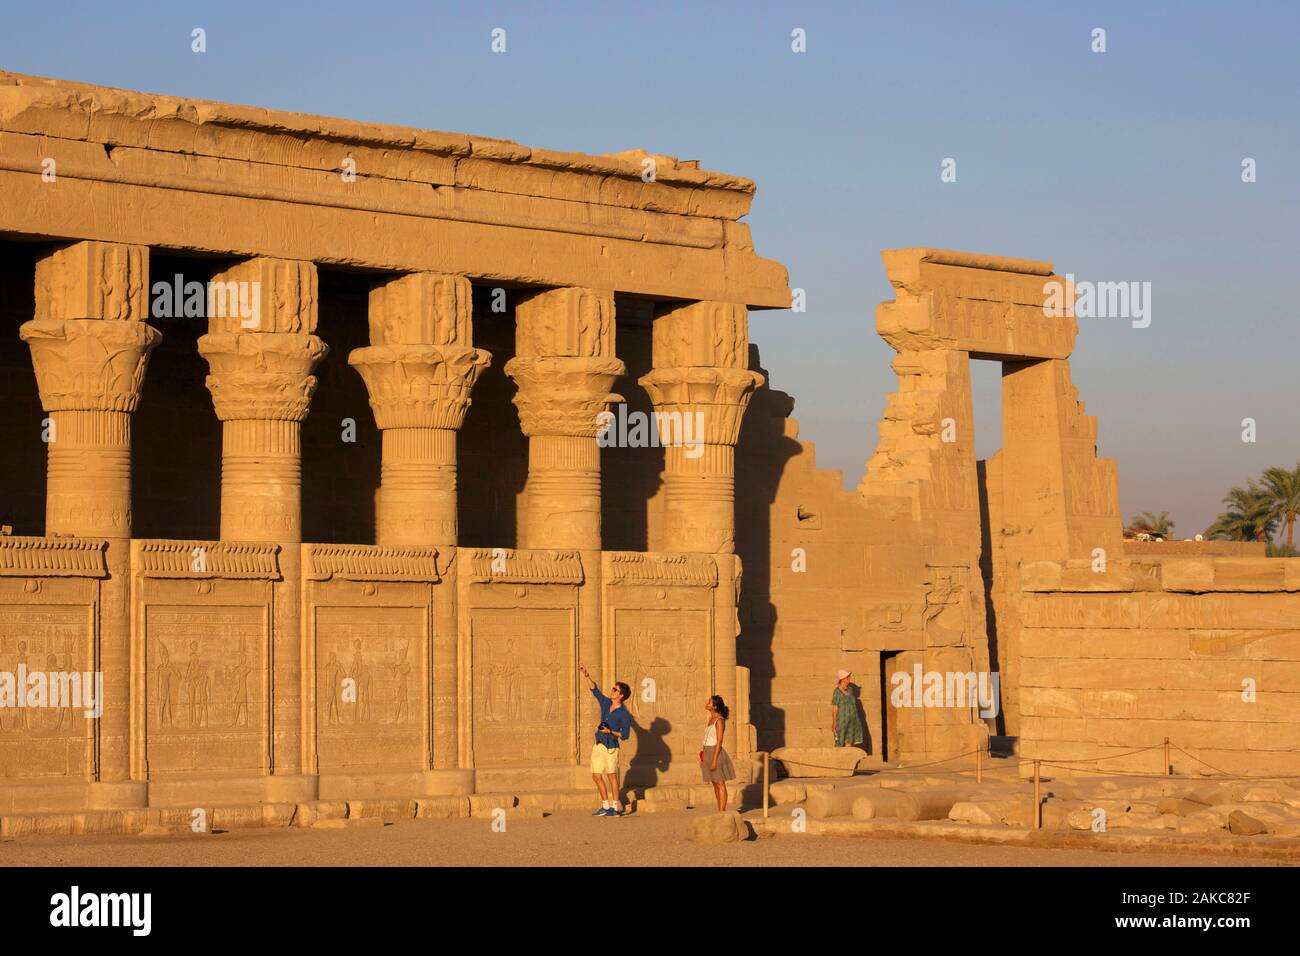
(1256,512)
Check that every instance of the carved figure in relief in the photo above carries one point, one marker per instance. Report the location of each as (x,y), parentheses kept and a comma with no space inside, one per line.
(59,715)
(361,713)
(241,671)
(403,668)
(514,684)
(552,671)
(333,688)
(196,683)
(165,679)
(20,665)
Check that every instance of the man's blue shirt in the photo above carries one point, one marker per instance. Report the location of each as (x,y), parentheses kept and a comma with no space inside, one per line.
(618,720)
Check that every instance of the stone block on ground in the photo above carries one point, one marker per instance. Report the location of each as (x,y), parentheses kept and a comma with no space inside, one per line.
(725,827)
(1201,822)
(834,802)
(875,803)
(928,804)
(1017,813)
(1241,823)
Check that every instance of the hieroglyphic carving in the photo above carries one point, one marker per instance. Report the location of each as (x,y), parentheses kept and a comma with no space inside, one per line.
(569,322)
(93,280)
(422,308)
(522,671)
(946,617)
(370,672)
(672,648)
(44,741)
(205,688)
(695,334)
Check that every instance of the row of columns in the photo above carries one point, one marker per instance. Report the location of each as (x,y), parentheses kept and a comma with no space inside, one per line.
(90,344)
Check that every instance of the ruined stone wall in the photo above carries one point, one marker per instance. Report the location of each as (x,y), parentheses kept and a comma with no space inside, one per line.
(1205,652)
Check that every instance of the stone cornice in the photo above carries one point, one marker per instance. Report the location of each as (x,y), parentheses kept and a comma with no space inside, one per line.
(660,569)
(516,566)
(236,181)
(24,556)
(360,562)
(167,558)
(118,110)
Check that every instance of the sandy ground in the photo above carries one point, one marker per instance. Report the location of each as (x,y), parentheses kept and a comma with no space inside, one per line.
(562,839)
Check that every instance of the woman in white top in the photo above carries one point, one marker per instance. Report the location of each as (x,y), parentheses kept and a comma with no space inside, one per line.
(715,765)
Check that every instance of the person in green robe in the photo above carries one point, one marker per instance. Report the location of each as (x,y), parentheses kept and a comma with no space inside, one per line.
(844,713)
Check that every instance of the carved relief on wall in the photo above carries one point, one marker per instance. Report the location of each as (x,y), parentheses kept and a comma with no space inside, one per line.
(39,741)
(370,672)
(205,689)
(947,606)
(523,669)
(665,656)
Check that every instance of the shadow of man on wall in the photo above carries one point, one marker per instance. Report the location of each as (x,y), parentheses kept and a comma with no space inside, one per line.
(653,755)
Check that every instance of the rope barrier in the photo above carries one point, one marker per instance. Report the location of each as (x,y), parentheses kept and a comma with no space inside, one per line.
(814,766)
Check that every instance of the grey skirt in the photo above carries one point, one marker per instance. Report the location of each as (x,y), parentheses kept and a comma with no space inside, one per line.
(724,772)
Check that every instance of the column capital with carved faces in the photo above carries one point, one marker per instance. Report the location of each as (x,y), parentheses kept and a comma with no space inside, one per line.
(422,308)
(281,294)
(567,322)
(93,280)
(421,366)
(704,334)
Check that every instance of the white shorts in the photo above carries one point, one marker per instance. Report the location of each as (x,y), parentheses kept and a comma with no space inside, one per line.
(604,759)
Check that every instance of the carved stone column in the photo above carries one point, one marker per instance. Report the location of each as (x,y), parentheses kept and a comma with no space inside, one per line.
(261,353)
(261,385)
(700,387)
(90,348)
(419,369)
(564,367)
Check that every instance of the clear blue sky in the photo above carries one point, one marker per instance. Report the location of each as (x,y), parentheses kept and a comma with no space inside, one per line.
(1116,166)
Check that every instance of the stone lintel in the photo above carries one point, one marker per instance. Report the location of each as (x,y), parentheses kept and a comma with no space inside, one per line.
(989,306)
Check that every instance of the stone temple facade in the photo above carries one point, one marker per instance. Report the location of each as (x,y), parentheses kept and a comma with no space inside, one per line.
(373,452)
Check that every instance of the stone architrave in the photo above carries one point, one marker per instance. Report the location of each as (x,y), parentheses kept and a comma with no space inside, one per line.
(261,385)
(419,369)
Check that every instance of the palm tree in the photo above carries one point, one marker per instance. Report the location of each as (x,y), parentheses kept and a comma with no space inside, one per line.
(1249,516)
(1282,486)
(1155,525)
